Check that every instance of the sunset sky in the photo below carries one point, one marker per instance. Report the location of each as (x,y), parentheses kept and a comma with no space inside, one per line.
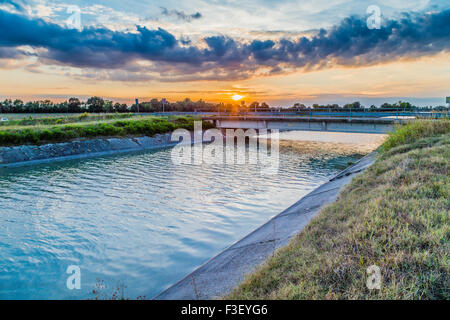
(280,52)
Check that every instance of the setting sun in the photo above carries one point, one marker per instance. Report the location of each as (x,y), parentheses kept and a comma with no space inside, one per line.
(237,97)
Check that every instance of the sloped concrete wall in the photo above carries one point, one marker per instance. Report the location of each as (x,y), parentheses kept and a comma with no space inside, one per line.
(222,273)
(29,155)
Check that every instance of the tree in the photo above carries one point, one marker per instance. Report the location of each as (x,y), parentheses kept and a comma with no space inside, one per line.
(156,105)
(188,105)
(95,104)
(404,105)
(200,105)
(356,105)
(61,107)
(18,105)
(74,105)
(123,107)
(134,107)
(243,106)
(116,107)
(264,106)
(254,106)
(108,107)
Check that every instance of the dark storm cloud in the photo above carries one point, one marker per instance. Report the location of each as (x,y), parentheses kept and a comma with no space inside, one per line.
(92,47)
(349,43)
(15,4)
(12,53)
(181,15)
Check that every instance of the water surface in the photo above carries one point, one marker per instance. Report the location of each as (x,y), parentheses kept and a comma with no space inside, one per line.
(136,221)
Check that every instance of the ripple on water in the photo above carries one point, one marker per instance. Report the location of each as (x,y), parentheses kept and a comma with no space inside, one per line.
(136,218)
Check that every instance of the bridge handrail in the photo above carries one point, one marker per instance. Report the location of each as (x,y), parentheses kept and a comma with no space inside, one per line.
(312,113)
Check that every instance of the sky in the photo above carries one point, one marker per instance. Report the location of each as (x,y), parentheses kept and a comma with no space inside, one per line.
(280,52)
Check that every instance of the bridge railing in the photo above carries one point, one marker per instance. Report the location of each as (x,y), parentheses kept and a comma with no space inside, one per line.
(320,113)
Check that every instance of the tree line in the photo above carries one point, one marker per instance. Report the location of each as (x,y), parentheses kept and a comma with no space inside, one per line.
(100,105)
(357,106)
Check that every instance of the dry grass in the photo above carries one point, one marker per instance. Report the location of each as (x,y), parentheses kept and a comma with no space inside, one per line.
(395,215)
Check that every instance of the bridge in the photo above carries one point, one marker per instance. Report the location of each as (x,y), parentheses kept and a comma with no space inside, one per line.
(365,121)
(324,123)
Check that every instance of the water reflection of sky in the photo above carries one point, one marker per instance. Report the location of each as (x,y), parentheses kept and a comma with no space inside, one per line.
(333,137)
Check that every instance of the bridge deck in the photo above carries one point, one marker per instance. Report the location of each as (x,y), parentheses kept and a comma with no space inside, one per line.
(305,119)
(285,123)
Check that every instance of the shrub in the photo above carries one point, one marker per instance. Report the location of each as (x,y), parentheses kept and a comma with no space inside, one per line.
(83,115)
(415,130)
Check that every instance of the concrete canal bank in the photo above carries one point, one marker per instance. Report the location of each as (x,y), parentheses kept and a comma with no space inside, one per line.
(31,155)
(222,273)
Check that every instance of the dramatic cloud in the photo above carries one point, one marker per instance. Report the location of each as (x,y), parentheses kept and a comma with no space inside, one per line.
(349,43)
(181,15)
(12,53)
(13,4)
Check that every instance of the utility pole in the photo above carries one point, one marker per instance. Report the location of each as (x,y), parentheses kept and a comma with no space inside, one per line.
(163,102)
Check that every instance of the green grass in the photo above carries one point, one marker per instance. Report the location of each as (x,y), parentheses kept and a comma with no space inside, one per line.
(405,134)
(394,215)
(19,116)
(58,120)
(117,128)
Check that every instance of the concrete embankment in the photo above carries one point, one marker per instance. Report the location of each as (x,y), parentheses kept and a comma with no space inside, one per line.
(30,155)
(222,273)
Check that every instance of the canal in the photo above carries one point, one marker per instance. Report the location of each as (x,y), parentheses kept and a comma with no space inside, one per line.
(138,222)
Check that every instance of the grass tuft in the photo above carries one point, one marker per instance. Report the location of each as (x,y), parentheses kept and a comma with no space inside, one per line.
(394,215)
(411,132)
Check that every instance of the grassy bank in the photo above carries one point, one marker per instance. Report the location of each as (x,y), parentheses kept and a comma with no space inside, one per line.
(43,121)
(118,128)
(395,215)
